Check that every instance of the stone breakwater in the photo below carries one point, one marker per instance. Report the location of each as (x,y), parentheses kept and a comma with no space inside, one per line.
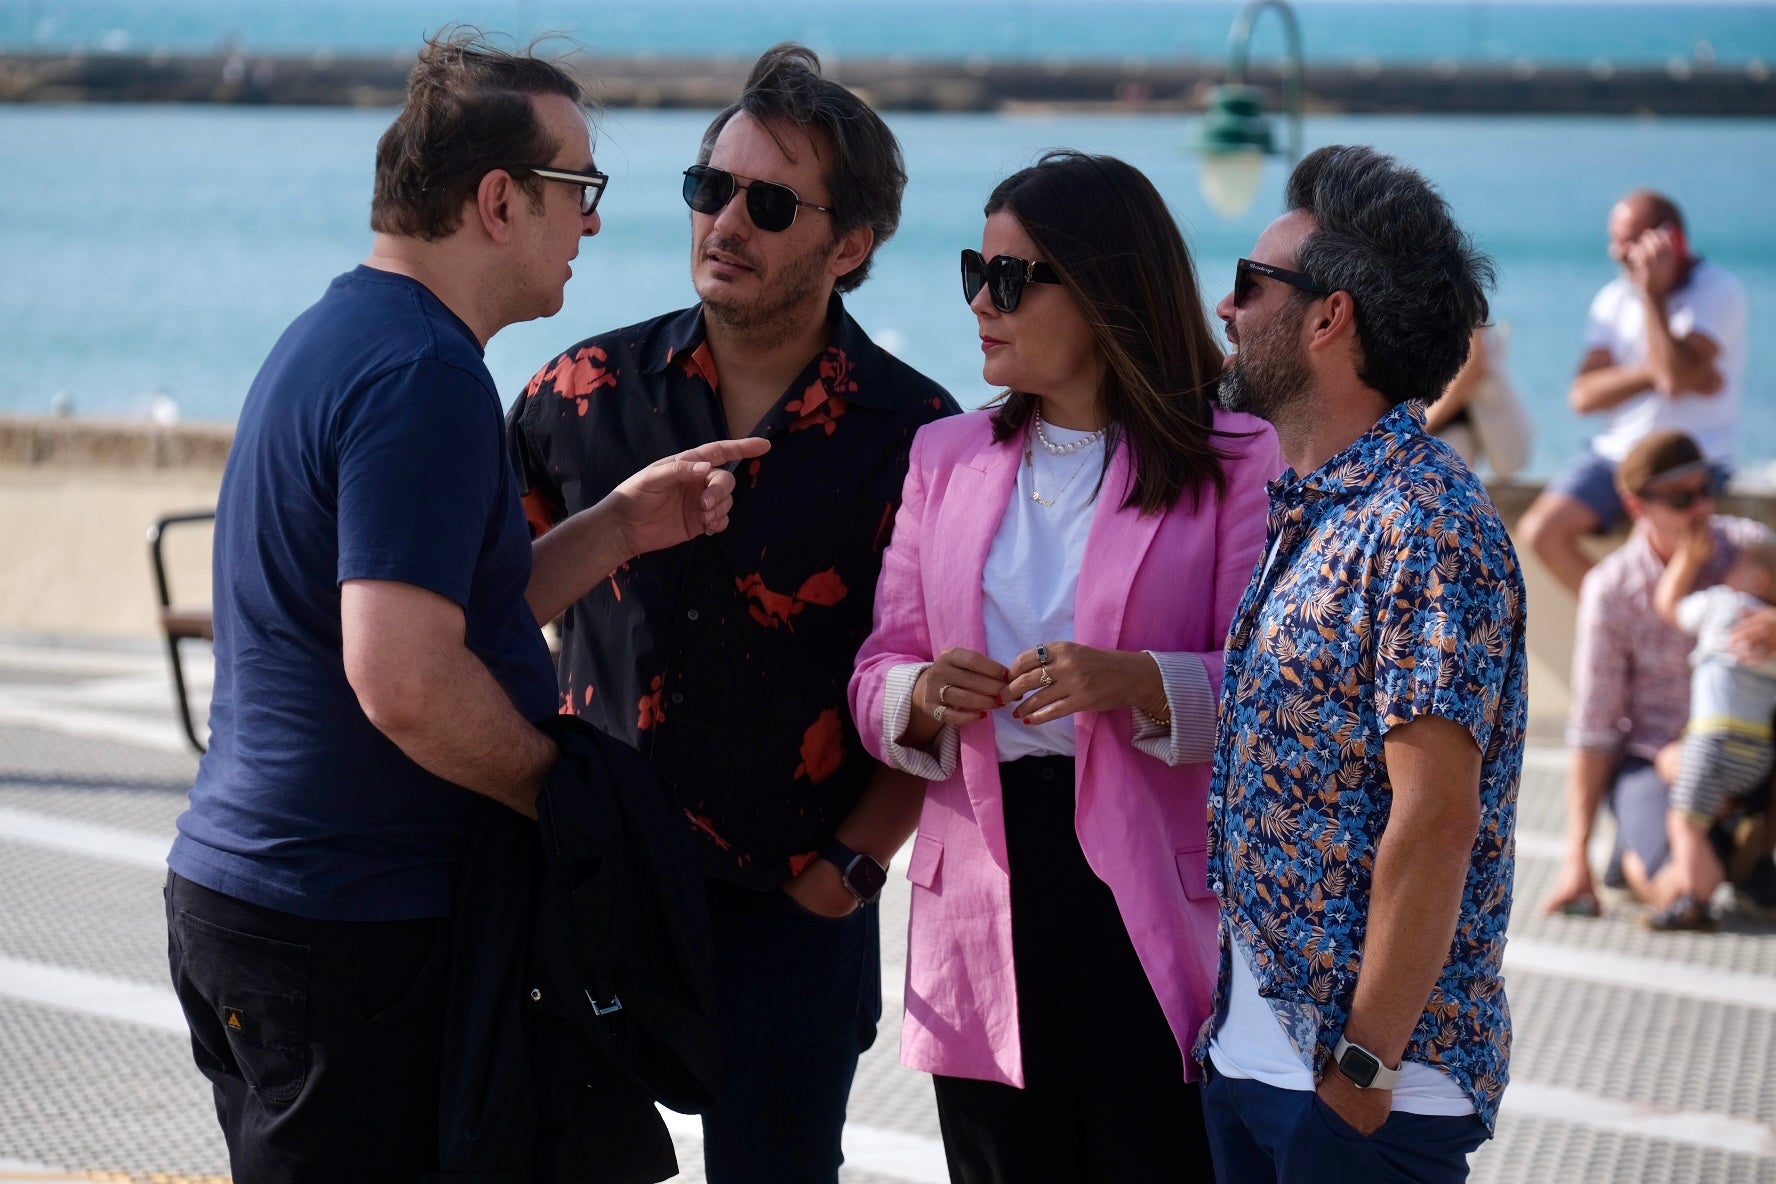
(1169,84)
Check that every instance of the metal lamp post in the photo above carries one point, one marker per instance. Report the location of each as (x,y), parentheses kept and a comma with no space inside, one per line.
(1234,133)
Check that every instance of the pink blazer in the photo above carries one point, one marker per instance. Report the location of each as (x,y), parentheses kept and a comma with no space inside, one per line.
(1167,582)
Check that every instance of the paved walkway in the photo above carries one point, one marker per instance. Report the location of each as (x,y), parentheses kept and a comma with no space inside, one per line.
(1639,1058)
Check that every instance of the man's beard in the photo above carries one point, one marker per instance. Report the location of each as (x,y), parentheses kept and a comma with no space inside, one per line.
(1269,377)
(770,318)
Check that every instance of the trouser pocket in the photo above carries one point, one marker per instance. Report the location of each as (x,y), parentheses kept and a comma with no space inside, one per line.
(246,1000)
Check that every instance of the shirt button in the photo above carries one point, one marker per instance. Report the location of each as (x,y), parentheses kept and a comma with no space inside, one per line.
(678,696)
(1217,887)
(692,614)
(1047,774)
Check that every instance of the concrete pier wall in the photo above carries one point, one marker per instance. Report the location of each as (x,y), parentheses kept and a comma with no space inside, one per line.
(1160,84)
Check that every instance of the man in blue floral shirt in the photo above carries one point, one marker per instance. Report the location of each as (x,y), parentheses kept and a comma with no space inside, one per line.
(1371,733)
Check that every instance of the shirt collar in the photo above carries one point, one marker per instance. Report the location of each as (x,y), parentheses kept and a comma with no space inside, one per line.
(1362,462)
(683,332)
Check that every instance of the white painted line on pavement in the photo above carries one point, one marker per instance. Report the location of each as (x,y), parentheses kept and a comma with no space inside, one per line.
(84,838)
(23,1171)
(1545,759)
(918,1159)
(1668,976)
(1742,1136)
(31,711)
(92,994)
(879,1151)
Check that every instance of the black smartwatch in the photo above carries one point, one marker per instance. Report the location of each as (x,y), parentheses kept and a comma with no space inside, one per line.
(1362,1067)
(863,877)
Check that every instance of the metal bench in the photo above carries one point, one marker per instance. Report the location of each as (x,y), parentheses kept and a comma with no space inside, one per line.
(179,622)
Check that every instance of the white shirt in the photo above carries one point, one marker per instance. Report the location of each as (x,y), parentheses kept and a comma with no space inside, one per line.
(1712,303)
(1031,580)
(1250,1043)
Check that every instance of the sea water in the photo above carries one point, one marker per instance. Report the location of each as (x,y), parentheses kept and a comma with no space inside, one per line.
(163,249)
(1332,30)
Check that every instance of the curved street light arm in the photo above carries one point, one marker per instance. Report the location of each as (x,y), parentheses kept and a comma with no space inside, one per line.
(1295,84)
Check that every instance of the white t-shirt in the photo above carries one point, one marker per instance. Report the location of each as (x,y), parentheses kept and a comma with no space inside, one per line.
(1032,574)
(1710,614)
(1712,303)
(1250,1043)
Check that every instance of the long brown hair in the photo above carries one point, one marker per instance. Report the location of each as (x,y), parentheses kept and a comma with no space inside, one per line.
(1106,231)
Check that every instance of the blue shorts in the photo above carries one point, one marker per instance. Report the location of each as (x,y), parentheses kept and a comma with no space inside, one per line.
(1590,479)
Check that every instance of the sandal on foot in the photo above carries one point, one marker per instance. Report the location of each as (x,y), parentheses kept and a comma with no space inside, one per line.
(1685,913)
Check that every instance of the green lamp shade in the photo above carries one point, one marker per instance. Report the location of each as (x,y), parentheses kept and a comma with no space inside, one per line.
(1234,137)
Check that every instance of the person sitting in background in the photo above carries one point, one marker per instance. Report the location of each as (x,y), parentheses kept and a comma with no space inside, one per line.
(1664,349)
(1479,414)
(1631,685)
(1062,944)
(1725,753)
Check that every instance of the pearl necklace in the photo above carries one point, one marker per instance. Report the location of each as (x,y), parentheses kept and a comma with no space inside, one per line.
(1053,449)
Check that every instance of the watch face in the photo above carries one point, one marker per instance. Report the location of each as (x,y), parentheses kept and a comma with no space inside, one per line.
(866,878)
(1359,1066)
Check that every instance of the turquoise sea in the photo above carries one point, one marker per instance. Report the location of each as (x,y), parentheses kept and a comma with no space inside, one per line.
(1333,30)
(151,249)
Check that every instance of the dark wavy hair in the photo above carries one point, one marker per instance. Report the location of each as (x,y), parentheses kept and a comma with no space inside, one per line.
(865,176)
(1107,232)
(468,112)
(1386,236)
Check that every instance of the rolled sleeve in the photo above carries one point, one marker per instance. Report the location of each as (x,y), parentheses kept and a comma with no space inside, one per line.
(897,713)
(1191,737)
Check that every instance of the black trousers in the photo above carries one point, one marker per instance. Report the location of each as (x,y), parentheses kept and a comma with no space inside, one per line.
(799,996)
(1104,1096)
(320,1038)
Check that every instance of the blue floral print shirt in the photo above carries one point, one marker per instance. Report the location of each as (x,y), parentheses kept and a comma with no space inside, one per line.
(1393,592)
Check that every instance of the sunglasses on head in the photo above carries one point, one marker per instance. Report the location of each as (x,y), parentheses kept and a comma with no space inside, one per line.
(591,184)
(1243,281)
(1004,277)
(771,206)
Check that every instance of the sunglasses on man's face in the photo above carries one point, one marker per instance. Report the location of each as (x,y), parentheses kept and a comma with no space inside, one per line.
(1003,276)
(771,206)
(591,184)
(1244,281)
(1680,499)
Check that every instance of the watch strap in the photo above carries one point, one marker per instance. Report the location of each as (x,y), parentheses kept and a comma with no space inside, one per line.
(845,859)
(1382,1077)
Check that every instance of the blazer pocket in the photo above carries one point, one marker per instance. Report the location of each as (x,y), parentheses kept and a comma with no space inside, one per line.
(1193,873)
(927,858)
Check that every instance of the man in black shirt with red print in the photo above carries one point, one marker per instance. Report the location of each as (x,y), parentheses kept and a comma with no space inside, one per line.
(725,660)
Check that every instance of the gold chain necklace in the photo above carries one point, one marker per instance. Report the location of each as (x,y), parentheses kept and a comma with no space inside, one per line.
(1030,463)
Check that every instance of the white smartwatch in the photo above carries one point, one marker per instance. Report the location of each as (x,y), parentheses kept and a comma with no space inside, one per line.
(1362,1067)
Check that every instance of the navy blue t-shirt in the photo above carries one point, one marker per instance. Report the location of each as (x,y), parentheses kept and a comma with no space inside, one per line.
(369,447)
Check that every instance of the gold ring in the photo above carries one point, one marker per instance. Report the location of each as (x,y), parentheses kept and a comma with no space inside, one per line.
(1047,679)
(941,692)
(938,712)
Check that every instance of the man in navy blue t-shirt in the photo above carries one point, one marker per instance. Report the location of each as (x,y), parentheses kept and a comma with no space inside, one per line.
(378,659)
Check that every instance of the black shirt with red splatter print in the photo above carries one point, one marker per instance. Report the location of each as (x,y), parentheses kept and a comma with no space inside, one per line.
(725,660)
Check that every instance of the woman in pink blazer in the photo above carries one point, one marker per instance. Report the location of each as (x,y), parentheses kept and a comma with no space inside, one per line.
(1047,652)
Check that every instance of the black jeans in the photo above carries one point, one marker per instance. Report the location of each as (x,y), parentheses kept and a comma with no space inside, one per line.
(799,998)
(1104,1097)
(320,1038)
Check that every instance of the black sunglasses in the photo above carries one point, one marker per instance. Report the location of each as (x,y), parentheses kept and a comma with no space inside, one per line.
(591,184)
(1243,283)
(1004,277)
(1680,499)
(771,206)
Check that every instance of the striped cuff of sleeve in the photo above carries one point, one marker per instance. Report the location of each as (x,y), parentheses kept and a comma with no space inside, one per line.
(897,713)
(1191,737)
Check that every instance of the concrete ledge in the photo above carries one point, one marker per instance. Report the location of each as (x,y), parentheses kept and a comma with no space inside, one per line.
(1161,83)
(113,444)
